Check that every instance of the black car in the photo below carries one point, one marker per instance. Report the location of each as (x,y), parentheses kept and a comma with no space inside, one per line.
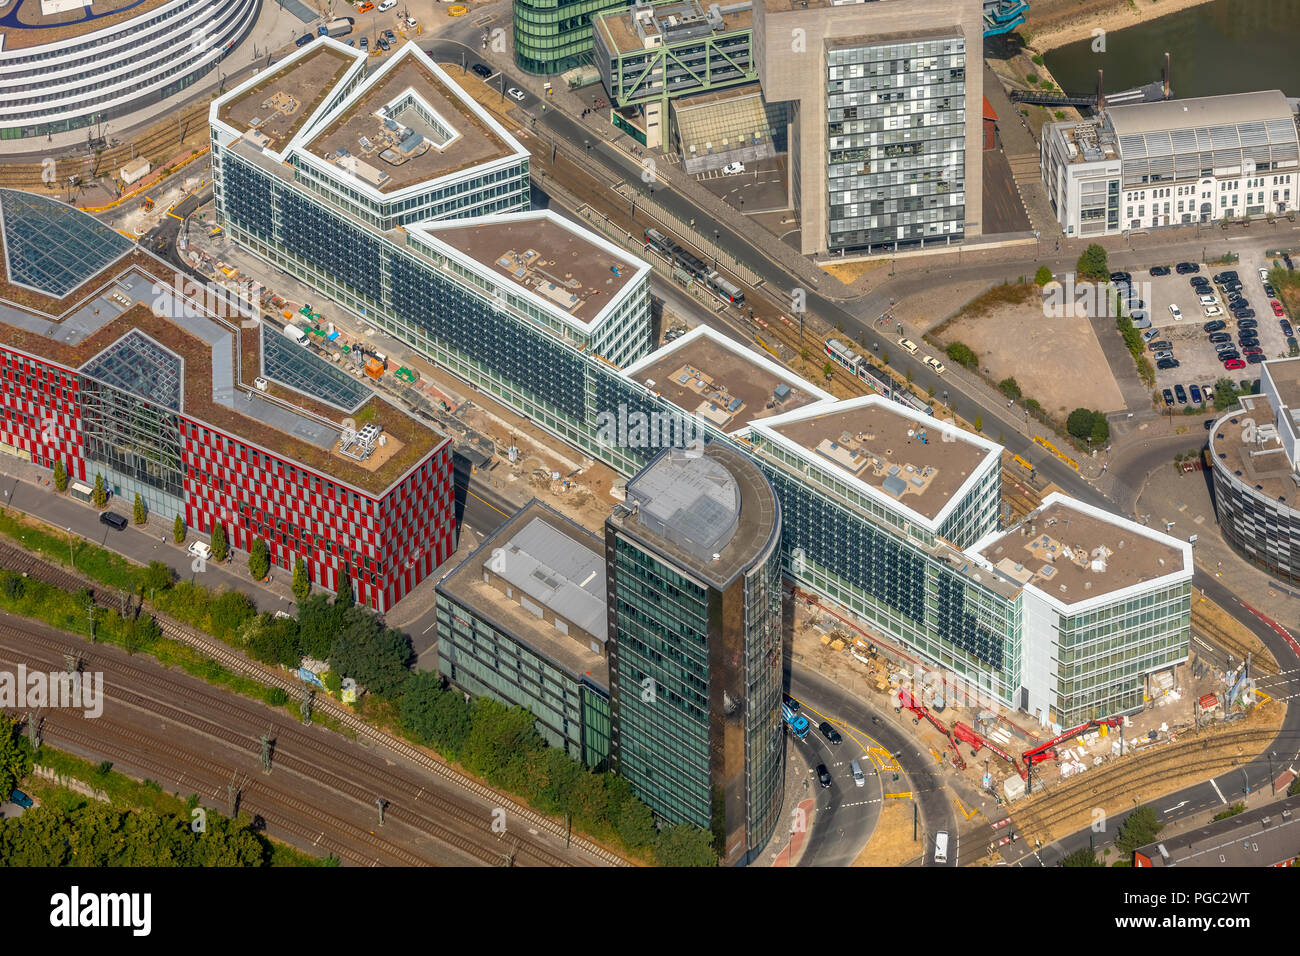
(1183,268)
(1270,291)
(830,733)
(823,776)
(112,519)
(1227,354)
(1197,398)
(1229,276)
(1181,394)
(1209,423)
(303,40)
(1247,324)
(1293,345)
(1231,287)
(482,70)
(1216,326)
(1158,270)
(390,36)
(1287,259)
(1165,364)
(1160,346)
(1121,277)
(1255,358)
(1286,328)
(1243,315)
(1168,396)
(382,43)
(791,703)
(1218,337)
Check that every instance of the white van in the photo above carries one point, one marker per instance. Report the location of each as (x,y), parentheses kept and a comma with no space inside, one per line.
(859,779)
(387,5)
(733,169)
(198,549)
(909,345)
(941,847)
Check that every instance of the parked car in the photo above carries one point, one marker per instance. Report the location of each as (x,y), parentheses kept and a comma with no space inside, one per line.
(830,733)
(935,364)
(1233,364)
(1195,392)
(387,5)
(1208,300)
(1121,277)
(1180,393)
(365,7)
(1165,364)
(383,44)
(1164,354)
(1199,282)
(365,43)
(1254,358)
(1231,287)
(21,799)
(390,36)
(1217,337)
(1212,310)
(1277,308)
(303,40)
(112,519)
(1216,326)
(515,93)
(1240,314)
(481,70)
(1140,319)
(1176,312)
(1168,396)
(1229,355)
(1209,423)
(1158,271)
(1207,391)
(1150,334)
(1270,291)
(411,22)
(1223,348)
(1252,350)
(1160,346)
(1263,275)
(1183,268)
(1247,324)
(908,345)
(1226,276)
(1293,345)
(823,776)
(733,169)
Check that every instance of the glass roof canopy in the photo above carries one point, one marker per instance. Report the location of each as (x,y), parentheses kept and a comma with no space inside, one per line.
(54,248)
(137,364)
(287,362)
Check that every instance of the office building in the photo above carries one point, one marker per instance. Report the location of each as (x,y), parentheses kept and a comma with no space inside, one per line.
(552,36)
(1172,163)
(523,620)
(108,365)
(64,65)
(1254,451)
(884,118)
(652,53)
(694,589)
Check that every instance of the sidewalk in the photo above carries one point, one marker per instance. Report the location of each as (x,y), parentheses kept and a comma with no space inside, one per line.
(25,489)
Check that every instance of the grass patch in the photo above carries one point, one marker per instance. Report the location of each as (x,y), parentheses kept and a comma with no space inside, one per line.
(1008,293)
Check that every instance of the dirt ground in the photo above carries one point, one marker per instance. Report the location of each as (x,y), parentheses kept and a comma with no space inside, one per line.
(850,272)
(1209,617)
(1053,23)
(1057,361)
(891,842)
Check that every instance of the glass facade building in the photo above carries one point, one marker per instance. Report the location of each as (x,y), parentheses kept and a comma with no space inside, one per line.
(552,36)
(896,143)
(695,646)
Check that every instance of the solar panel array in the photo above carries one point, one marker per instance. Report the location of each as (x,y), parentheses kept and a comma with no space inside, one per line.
(137,364)
(287,362)
(53,247)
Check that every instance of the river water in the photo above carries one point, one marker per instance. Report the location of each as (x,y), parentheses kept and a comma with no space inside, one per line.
(1225,46)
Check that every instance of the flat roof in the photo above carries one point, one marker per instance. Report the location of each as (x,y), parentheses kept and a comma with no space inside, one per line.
(1261,462)
(1285,375)
(903,457)
(691,500)
(721,381)
(108,328)
(724,95)
(538,251)
(279,101)
(1072,552)
(27,25)
(1229,109)
(623,36)
(555,563)
(1263,836)
(418,150)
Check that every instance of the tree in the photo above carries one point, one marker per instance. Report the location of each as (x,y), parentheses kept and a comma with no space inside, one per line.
(319,621)
(1138,830)
(15,755)
(157,577)
(685,845)
(376,656)
(259,559)
(219,547)
(1043,275)
(343,595)
(272,640)
(1079,424)
(178,530)
(60,475)
(1081,857)
(1100,429)
(301,582)
(100,494)
(979,423)
(963,355)
(1092,263)
(138,514)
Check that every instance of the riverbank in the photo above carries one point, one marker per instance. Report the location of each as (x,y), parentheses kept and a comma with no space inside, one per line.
(1054,23)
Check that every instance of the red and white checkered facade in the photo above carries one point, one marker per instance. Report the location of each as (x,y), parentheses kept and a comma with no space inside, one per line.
(40,411)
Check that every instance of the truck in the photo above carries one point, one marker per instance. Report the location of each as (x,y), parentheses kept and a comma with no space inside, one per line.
(797,723)
(338,27)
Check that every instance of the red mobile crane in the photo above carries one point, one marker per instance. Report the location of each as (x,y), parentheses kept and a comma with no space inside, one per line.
(1047,751)
(906,699)
(972,737)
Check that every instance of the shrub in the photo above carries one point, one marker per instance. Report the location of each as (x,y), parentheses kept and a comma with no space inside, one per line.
(1092,263)
(100,494)
(1031,79)
(60,475)
(1059,114)
(1010,388)
(219,546)
(301,582)
(138,514)
(963,355)
(1036,59)
(259,559)
(1043,275)
(178,530)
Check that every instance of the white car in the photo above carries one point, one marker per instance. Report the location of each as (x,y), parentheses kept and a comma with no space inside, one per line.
(387,5)
(909,345)
(411,22)
(935,364)
(1263,275)
(732,169)
(1213,312)
(1208,300)
(1176,312)
(515,93)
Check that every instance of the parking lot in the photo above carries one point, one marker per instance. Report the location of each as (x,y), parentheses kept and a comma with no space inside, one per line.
(1198,360)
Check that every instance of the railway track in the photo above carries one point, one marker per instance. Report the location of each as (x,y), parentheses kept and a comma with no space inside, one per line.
(297,750)
(1143,774)
(1219,637)
(37,567)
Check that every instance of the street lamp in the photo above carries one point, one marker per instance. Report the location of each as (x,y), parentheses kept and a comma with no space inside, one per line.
(1272,784)
(71,557)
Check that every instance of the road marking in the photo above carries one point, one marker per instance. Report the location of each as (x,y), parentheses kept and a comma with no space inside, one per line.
(429,628)
(1215,785)
(1177,806)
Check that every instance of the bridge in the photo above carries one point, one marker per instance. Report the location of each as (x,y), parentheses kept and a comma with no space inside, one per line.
(1151,93)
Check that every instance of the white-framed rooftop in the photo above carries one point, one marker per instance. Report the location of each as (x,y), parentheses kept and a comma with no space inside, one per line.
(427,234)
(1107,598)
(326,108)
(635,372)
(298,146)
(991,458)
